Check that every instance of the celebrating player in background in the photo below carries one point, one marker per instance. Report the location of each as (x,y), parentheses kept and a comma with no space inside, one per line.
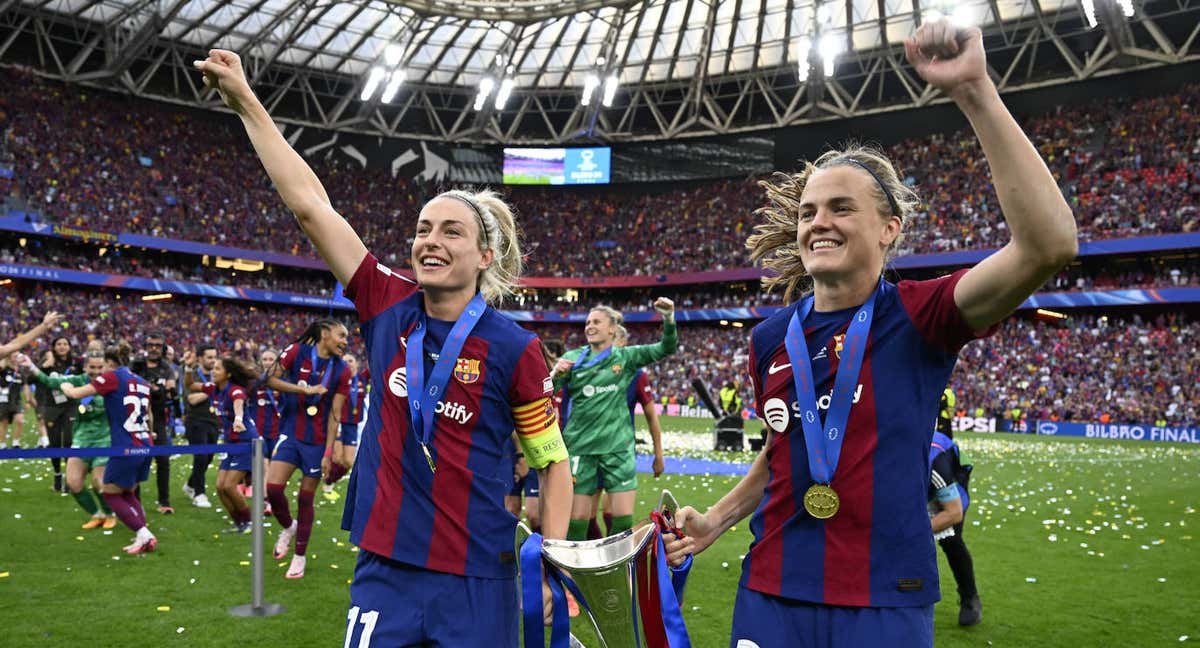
(229,394)
(843,553)
(127,406)
(267,409)
(200,421)
(163,379)
(315,384)
(638,392)
(425,503)
(599,431)
(90,431)
(352,414)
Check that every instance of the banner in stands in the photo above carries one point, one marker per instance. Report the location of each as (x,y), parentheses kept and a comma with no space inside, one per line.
(1135,431)
(973,424)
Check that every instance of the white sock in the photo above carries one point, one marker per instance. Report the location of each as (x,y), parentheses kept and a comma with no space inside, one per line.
(144,535)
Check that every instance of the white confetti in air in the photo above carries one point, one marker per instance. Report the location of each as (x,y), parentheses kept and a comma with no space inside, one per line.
(1030,579)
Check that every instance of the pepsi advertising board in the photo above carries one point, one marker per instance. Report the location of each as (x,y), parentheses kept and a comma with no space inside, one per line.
(557,166)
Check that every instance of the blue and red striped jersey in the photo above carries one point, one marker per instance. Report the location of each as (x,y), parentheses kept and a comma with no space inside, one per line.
(222,401)
(639,392)
(452,520)
(126,403)
(266,412)
(295,419)
(878,549)
(356,393)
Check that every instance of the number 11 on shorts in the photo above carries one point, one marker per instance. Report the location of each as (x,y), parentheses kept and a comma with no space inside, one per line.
(368,620)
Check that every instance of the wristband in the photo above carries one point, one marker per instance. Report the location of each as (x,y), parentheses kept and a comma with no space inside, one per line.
(328,452)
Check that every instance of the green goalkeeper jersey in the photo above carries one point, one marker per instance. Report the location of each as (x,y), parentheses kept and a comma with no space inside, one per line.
(91,424)
(595,405)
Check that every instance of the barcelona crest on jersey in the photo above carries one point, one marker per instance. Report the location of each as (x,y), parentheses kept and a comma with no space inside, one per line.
(466,370)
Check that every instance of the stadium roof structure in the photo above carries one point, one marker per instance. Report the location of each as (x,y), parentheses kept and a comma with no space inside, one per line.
(671,68)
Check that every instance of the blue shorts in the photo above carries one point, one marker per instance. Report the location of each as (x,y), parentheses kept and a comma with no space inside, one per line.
(269,447)
(305,456)
(349,434)
(127,472)
(411,606)
(527,486)
(762,621)
(243,461)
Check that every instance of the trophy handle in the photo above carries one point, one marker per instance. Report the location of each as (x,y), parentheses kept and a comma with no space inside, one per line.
(667,506)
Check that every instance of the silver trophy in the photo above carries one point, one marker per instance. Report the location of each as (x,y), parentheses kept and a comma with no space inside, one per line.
(605,573)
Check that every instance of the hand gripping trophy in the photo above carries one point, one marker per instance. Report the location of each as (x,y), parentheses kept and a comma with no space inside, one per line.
(621,583)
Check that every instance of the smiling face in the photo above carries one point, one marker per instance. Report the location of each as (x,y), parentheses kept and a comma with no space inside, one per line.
(94,366)
(600,328)
(334,340)
(267,359)
(445,253)
(841,232)
(62,349)
(219,375)
(351,362)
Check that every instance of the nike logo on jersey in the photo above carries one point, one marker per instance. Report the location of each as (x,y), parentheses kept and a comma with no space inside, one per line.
(822,354)
(774,368)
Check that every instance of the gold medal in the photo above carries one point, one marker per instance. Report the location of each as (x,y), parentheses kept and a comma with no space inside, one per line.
(312,410)
(428,458)
(83,409)
(821,501)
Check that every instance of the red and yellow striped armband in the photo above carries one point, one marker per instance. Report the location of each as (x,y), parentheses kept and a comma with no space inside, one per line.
(538,433)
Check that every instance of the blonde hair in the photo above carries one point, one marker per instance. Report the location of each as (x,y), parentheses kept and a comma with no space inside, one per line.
(774,241)
(498,232)
(614,315)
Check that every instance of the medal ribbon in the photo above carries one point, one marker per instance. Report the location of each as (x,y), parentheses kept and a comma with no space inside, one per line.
(313,400)
(422,398)
(825,444)
(354,398)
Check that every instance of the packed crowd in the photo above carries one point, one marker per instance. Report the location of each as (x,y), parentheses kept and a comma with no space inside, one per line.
(1089,368)
(59,253)
(1092,368)
(105,314)
(108,163)
(1095,273)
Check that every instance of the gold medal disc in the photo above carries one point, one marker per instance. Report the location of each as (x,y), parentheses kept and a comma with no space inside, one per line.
(83,409)
(821,501)
(312,410)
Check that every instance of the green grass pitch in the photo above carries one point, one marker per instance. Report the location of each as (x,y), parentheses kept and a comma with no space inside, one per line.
(1076,543)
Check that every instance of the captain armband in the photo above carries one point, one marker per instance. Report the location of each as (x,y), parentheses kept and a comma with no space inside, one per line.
(538,433)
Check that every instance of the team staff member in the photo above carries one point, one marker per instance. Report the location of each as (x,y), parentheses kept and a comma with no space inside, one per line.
(127,406)
(426,501)
(599,431)
(90,431)
(163,381)
(945,418)
(57,414)
(12,406)
(200,421)
(842,554)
